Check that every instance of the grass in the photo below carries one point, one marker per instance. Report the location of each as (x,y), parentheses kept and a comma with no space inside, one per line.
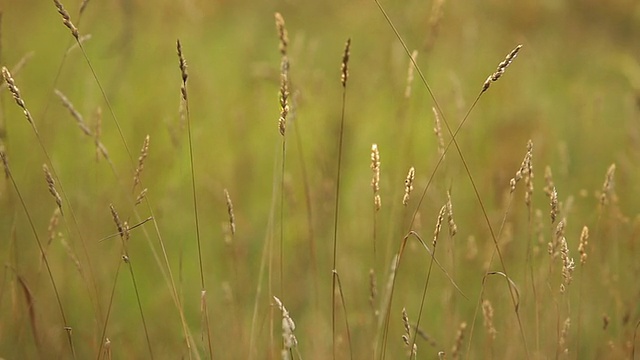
(281,184)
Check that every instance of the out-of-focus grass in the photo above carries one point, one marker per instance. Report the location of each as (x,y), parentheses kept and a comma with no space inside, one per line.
(573,90)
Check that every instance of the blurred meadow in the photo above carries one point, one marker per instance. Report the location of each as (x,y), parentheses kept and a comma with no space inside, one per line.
(230,220)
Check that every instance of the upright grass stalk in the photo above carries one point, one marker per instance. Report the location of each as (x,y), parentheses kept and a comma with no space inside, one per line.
(582,249)
(343,80)
(66,326)
(203,291)
(492,78)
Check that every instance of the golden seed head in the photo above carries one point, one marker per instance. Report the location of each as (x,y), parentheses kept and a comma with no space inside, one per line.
(607,187)
(408,186)
(502,67)
(436,232)
(582,246)
(66,19)
(232,218)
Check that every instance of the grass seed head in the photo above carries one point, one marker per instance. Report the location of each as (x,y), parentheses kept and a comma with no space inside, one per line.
(66,19)
(344,67)
(283,36)
(52,186)
(502,67)
(582,246)
(15,92)
(408,185)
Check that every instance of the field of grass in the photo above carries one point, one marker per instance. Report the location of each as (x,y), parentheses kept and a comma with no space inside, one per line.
(196,199)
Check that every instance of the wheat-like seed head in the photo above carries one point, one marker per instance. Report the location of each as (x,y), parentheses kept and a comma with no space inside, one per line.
(375,181)
(74,113)
(116,220)
(288,326)
(548,178)
(607,186)
(283,95)
(406,337)
(141,196)
(487,313)
(554,205)
(437,129)
(232,218)
(582,246)
(453,228)
(143,155)
(524,169)
(66,19)
(52,186)
(183,70)
(373,291)
(562,341)
(455,350)
(436,231)
(502,67)
(283,36)
(408,185)
(344,67)
(15,92)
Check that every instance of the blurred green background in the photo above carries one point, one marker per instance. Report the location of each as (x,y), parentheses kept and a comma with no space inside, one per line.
(574,90)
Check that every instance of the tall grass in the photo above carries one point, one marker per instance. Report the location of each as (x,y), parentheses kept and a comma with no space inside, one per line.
(408,278)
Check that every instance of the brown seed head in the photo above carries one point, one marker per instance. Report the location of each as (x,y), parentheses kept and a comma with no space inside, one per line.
(283,95)
(74,113)
(345,63)
(66,19)
(232,218)
(414,58)
(607,187)
(283,36)
(436,232)
(52,186)
(453,228)
(143,155)
(375,181)
(501,68)
(487,312)
(437,129)
(15,92)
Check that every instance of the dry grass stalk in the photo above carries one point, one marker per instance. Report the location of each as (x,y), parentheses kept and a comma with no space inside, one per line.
(453,228)
(141,196)
(283,95)
(582,246)
(487,312)
(81,40)
(567,264)
(607,187)
(52,186)
(183,70)
(437,129)
(232,218)
(375,181)
(283,36)
(344,67)
(410,73)
(74,113)
(408,186)
(502,67)
(406,337)
(66,19)
(83,6)
(288,326)
(15,92)
(554,205)
(144,152)
(455,350)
